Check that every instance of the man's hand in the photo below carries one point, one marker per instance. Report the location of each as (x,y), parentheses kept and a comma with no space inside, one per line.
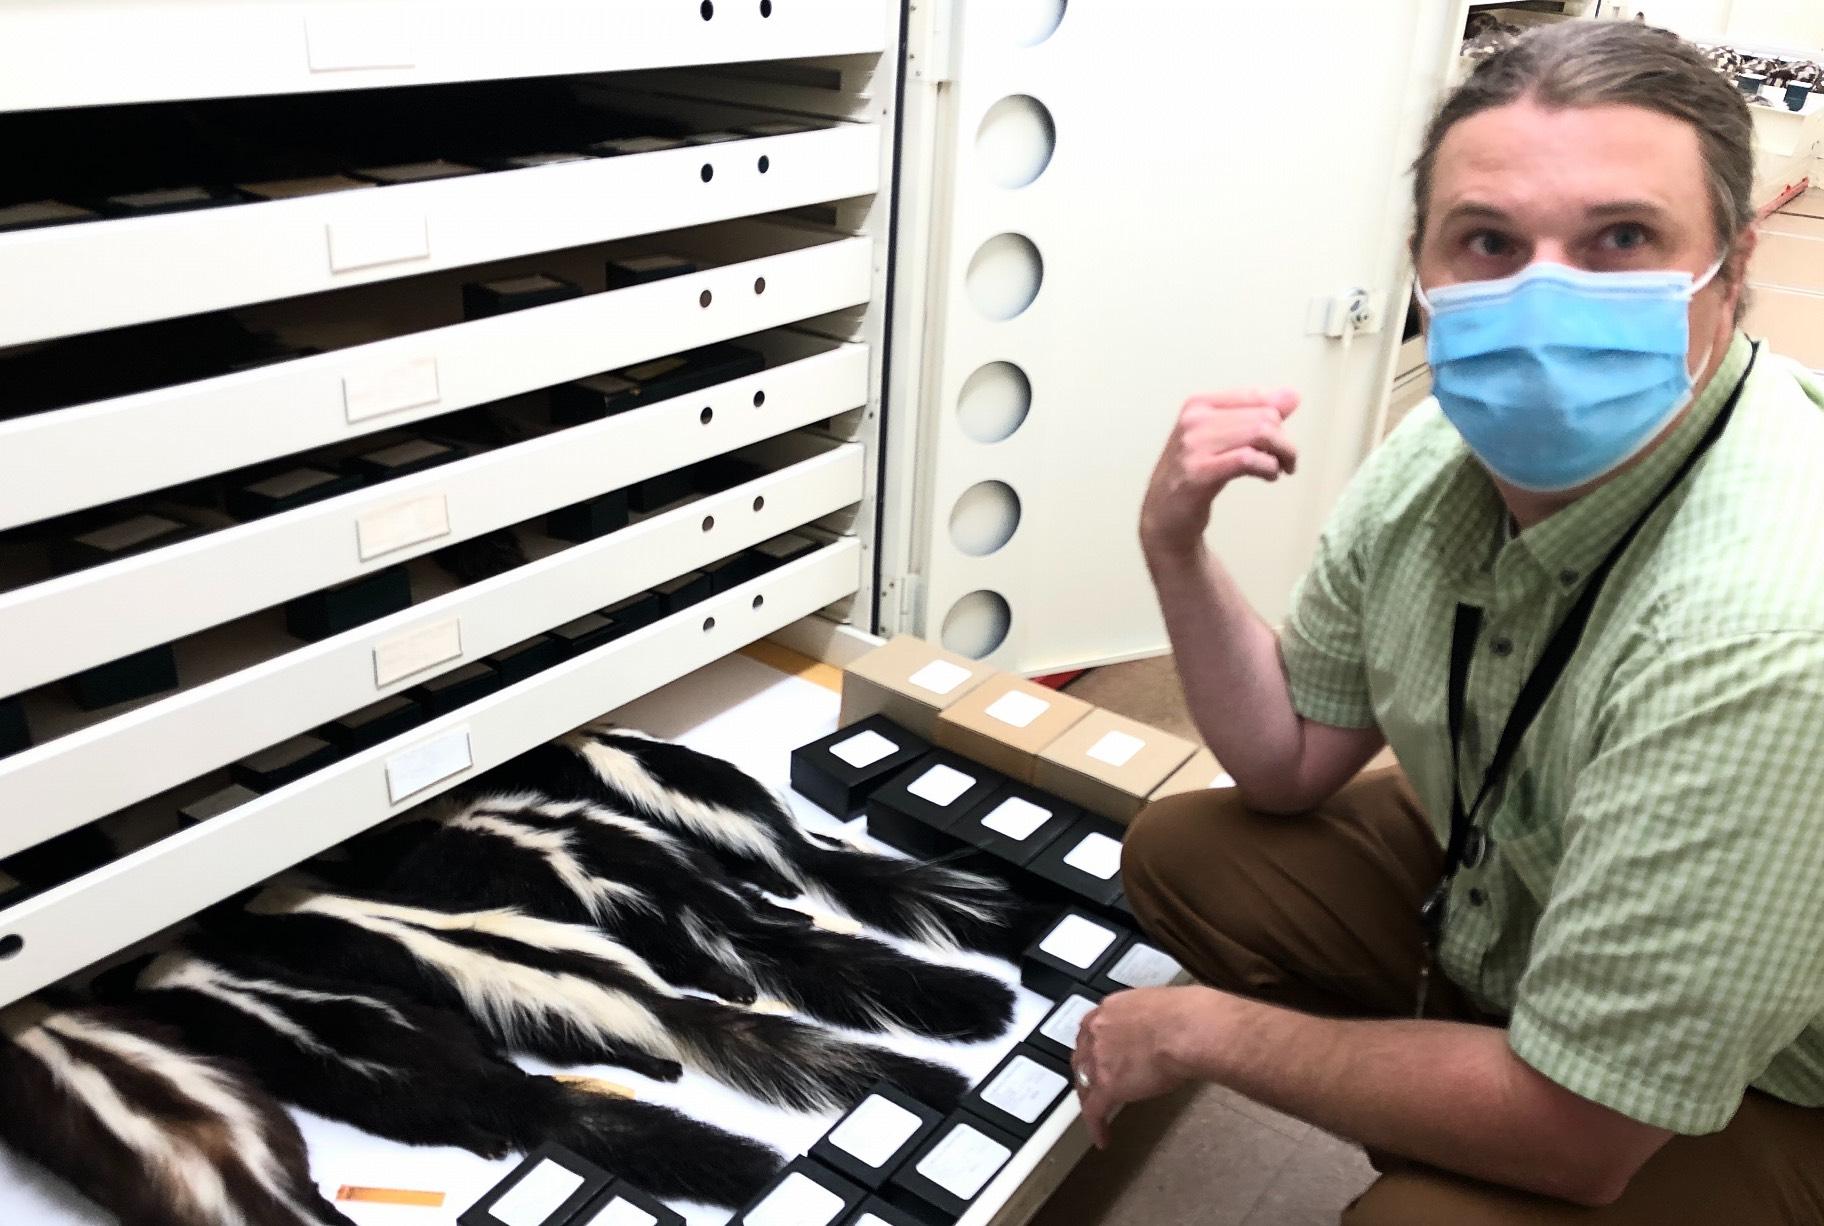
(1125,1050)
(1218,438)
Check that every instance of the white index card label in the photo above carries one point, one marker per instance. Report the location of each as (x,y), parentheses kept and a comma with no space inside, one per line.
(1062,1026)
(618,1212)
(799,1201)
(1116,748)
(416,650)
(1017,818)
(1078,941)
(373,241)
(1142,966)
(402,525)
(864,749)
(1024,1089)
(963,1162)
(1017,708)
(941,785)
(533,1200)
(410,771)
(380,388)
(940,677)
(1098,855)
(875,1131)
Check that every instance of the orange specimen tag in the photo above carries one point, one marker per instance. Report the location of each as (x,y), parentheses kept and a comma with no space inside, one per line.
(390,1196)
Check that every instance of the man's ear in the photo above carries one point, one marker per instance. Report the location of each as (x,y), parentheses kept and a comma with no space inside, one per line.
(1735,268)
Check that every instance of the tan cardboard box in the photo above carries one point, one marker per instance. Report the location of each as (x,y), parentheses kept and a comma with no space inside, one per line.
(1200,773)
(909,681)
(1110,764)
(1004,723)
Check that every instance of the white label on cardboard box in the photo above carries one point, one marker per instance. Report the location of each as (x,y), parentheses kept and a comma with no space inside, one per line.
(284,485)
(864,749)
(941,785)
(390,387)
(940,677)
(964,1161)
(1144,967)
(1098,855)
(360,38)
(1062,1026)
(1017,818)
(402,525)
(533,1200)
(1223,780)
(1116,748)
(618,1212)
(129,532)
(1024,1089)
(412,770)
(416,650)
(369,242)
(1078,941)
(799,1201)
(875,1131)
(1017,708)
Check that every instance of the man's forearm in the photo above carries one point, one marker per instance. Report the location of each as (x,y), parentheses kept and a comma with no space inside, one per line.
(1444,1093)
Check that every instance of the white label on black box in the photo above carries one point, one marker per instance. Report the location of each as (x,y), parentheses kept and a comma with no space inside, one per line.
(1024,1089)
(864,749)
(402,525)
(799,1201)
(129,532)
(618,1212)
(1144,967)
(533,1200)
(416,650)
(285,484)
(1098,855)
(1016,818)
(413,770)
(1078,941)
(1062,1026)
(369,242)
(390,387)
(963,1162)
(875,1131)
(941,785)
(1116,748)
(1017,708)
(940,677)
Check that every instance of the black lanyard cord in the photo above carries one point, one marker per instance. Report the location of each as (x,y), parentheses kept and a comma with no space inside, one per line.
(1539,684)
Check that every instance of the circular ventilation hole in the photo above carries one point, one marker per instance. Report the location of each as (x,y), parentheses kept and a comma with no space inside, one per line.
(1005,275)
(994,402)
(709,623)
(705,298)
(766,8)
(759,285)
(765,163)
(760,502)
(11,945)
(759,399)
(706,416)
(758,601)
(709,521)
(977,624)
(708,172)
(1030,22)
(984,518)
(1016,140)
(708,10)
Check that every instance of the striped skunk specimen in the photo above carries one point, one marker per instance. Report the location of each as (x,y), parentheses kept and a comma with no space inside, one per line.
(570,995)
(585,864)
(752,835)
(151,1132)
(422,1076)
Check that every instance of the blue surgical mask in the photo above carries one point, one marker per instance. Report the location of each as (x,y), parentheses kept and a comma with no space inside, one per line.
(1556,376)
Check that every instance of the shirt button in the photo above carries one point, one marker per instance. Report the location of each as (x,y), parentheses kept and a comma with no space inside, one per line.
(1477,897)
(1502,648)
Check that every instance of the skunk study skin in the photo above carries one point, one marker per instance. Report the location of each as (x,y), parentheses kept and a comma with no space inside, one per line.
(746,828)
(582,863)
(153,1133)
(571,995)
(422,1076)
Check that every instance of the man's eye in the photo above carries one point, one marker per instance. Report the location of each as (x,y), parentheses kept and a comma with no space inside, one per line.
(1490,245)
(1628,236)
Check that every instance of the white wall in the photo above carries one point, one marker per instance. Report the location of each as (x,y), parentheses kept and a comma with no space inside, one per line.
(1784,23)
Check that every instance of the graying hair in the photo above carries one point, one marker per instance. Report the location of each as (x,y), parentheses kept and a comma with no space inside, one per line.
(1598,63)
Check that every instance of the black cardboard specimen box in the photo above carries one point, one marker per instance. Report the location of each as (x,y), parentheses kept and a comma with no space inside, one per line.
(167,200)
(635,612)
(909,681)
(732,572)
(713,138)
(915,810)
(805,1193)
(376,722)
(1005,722)
(877,1135)
(685,590)
(625,1205)
(532,161)
(318,615)
(457,688)
(1200,773)
(642,269)
(586,633)
(216,803)
(291,189)
(140,675)
(36,213)
(585,521)
(1110,765)
(288,761)
(1070,953)
(549,1188)
(877,1212)
(1056,1036)
(662,492)
(622,146)
(773,128)
(840,771)
(527,658)
(288,490)
(1137,964)
(416,172)
(783,549)
(15,732)
(1085,861)
(947,1174)
(486,299)
(1020,1092)
(591,399)
(1016,823)
(402,459)
(125,537)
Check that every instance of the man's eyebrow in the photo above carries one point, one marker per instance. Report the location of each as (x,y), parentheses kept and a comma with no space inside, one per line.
(1474,208)
(1618,208)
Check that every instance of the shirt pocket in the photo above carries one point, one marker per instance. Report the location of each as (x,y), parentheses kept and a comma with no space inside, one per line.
(1528,838)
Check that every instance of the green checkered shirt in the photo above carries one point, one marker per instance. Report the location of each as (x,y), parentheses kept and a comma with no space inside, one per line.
(1650,910)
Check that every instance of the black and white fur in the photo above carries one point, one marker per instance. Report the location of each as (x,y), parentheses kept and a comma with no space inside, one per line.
(148,1130)
(570,995)
(586,864)
(751,833)
(422,1076)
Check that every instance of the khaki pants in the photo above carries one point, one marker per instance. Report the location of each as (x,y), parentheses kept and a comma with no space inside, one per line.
(1320,913)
